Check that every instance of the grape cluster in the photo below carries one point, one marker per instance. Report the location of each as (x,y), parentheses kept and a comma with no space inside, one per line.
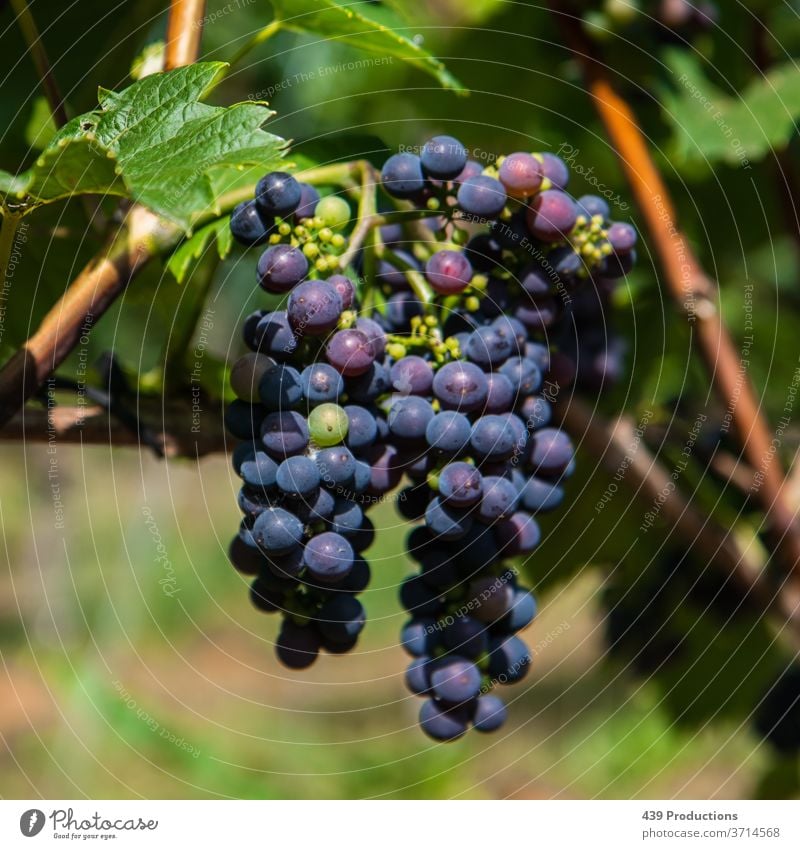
(433,358)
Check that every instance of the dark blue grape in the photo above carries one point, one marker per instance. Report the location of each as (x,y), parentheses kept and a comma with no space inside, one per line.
(490,714)
(341,618)
(409,417)
(412,375)
(369,386)
(448,431)
(461,386)
(417,676)
(538,316)
(419,636)
(298,476)
(509,659)
(328,556)
(309,198)
(536,412)
(460,485)
(386,468)
(418,598)
(245,558)
(348,517)
(362,430)
(277,194)
(591,205)
(402,175)
(314,308)
(494,438)
(535,281)
(297,646)
(317,507)
(264,598)
(455,680)
(441,723)
(284,433)
(489,347)
(321,384)
(249,329)
(551,452)
(337,466)
(523,611)
(280,268)
(280,387)
(286,566)
(273,335)
(277,531)
(466,637)
(446,522)
(482,197)
(247,226)
(501,395)
(518,534)
(443,157)
(244,420)
(499,499)
(361,477)
(539,496)
(401,308)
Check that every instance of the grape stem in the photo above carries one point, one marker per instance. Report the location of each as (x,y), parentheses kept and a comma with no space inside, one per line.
(693,292)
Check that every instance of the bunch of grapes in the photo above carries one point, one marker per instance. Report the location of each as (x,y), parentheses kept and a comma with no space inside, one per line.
(431,359)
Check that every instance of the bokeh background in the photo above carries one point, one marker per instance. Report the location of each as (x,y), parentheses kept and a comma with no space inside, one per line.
(132,662)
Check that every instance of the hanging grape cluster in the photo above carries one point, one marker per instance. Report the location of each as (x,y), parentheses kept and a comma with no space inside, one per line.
(417,344)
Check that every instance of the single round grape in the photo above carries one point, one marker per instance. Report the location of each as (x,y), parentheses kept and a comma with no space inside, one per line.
(488,347)
(412,375)
(490,714)
(524,374)
(264,598)
(466,636)
(552,215)
(455,680)
(314,308)
(348,517)
(446,522)
(328,556)
(345,289)
(297,476)
(523,610)
(297,646)
(246,375)
(441,723)
(245,558)
(246,225)
(321,383)
(443,157)
(409,416)
(280,268)
(490,598)
(540,496)
(337,466)
(518,534)
(499,499)
(273,335)
(471,169)
(260,471)
(369,386)
(244,420)
(509,659)
(341,618)
(249,329)
(622,237)
(362,428)
(521,174)
(482,197)
(309,198)
(460,386)
(327,425)
(284,433)
(591,205)
(277,194)
(280,387)
(350,352)
(501,394)
(277,531)
(317,507)
(551,452)
(448,432)
(448,272)
(402,175)
(555,169)
(493,438)
(514,330)
(334,211)
(460,485)
(419,637)
(417,677)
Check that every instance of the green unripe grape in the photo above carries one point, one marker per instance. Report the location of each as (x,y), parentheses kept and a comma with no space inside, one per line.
(333,211)
(327,425)
(246,374)
(621,11)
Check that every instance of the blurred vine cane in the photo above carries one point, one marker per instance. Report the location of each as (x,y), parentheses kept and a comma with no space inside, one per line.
(105,277)
(693,291)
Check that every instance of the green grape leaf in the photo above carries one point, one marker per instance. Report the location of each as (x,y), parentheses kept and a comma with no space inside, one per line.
(343,23)
(709,125)
(156,143)
(194,247)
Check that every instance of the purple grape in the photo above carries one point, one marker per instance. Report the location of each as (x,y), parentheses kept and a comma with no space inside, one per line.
(273,335)
(555,169)
(441,723)
(247,226)
(280,268)
(297,477)
(314,308)
(409,417)
(455,680)
(350,352)
(443,157)
(448,432)
(446,522)
(501,394)
(622,237)
(277,194)
(345,289)
(490,714)
(362,430)
(309,198)
(402,175)
(519,534)
(412,375)
(461,386)
(341,618)
(499,499)
(552,215)
(460,485)
(321,384)
(297,646)
(488,347)
(277,531)
(328,556)
(551,452)
(284,433)
(482,197)
(521,174)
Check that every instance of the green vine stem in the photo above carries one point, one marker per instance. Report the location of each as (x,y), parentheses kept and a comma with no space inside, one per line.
(259,38)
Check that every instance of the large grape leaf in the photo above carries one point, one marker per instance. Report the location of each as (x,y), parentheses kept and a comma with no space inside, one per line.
(709,125)
(349,25)
(156,143)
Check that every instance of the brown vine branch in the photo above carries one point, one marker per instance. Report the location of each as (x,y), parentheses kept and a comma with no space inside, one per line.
(695,294)
(98,285)
(616,446)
